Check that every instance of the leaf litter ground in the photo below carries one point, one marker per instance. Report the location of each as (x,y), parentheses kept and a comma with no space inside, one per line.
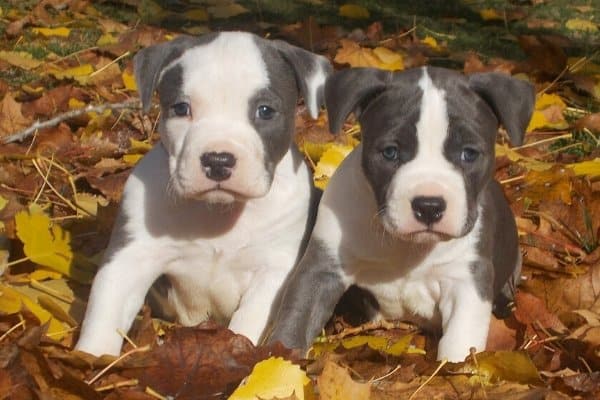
(60,184)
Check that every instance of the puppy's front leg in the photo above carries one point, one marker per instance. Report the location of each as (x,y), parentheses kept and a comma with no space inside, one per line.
(308,299)
(116,297)
(465,321)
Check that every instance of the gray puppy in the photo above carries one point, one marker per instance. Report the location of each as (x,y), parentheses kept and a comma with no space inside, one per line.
(413,214)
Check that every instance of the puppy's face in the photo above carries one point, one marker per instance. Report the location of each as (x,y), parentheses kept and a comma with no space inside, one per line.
(428,141)
(227,109)
(428,152)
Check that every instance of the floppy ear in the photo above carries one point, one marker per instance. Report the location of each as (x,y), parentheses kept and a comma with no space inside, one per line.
(311,71)
(148,63)
(351,90)
(511,99)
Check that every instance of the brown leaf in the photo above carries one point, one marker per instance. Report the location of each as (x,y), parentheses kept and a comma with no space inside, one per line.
(11,117)
(590,121)
(545,53)
(335,383)
(202,361)
(530,311)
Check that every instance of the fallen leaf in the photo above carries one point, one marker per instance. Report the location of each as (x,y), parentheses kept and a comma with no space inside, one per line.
(356,56)
(489,14)
(20,59)
(353,11)
(548,113)
(44,243)
(11,118)
(578,24)
(274,378)
(129,81)
(221,11)
(328,163)
(49,32)
(513,366)
(335,383)
(431,42)
(80,73)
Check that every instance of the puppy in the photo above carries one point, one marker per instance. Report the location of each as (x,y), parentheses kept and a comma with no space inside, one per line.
(219,208)
(413,214)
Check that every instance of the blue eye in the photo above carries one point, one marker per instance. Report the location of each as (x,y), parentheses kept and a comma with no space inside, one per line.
(469,155)
(390,153)
(265,112)
(181,109)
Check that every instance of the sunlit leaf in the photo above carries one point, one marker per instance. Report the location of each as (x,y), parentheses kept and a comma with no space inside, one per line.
(589,168)
(353,11)
(129,81)
(107,39)
(20,59)
(379,343)
(528,162)
(76,103)
(578,24)
(12,302)
(80,73)
(514,366)
(49,32)
(489,14)
(548,113)
(273,378)
(329,162)
(335,383)
(390,60)
(44,243)
(431,42)
(356,56)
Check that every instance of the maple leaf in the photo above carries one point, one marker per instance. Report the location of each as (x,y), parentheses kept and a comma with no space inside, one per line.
(43,242)
(336,384)
(11,118)
(273,378)
(380,57)
(328,163)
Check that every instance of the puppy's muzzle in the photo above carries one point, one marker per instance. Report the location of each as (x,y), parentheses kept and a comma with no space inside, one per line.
(428,209)
(217,166)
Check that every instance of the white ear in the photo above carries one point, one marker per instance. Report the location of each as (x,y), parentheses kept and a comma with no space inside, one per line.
(311,72)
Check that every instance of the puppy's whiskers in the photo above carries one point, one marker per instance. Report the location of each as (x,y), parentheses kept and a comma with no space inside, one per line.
(378,228)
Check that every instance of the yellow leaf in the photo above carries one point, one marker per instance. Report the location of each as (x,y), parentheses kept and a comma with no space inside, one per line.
(513,366)
(390,60)
(76,103)
(129,81)
(329,162)
(132,159)
(313,150)
(12,302)
(44,243)
(528,162)
(353,11)
(20,59)
(138,146)
(89,203)
(48,32)
(380,57)
(33,90)
(378,343)
(578,24)
(548,113)
(107,39)
(335,383)
(489,14)
(81,73)
(3,202)
(44,274)
(273,378)
(589,168)
(431,42)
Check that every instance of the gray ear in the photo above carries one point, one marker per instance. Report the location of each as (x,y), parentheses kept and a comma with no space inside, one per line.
(148,63)
(511,99)
(351,90)
(311,71)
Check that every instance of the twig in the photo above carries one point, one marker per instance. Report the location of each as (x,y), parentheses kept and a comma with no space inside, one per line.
(67,298)
(130,382)
(386,375)
(124,336)
(19,136)
(444,362)
(370,326)
(112,364)
(154,393)
(12,329)
(472,352)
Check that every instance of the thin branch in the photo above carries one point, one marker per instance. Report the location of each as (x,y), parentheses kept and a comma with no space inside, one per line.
(20,136)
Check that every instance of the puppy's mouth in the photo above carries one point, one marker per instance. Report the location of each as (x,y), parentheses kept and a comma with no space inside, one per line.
(425,236)
(219,194)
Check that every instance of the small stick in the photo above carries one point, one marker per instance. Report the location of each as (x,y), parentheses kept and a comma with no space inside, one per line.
(112,364)
(392,372)
(370,326)
(20,136)
(473,352)
(154,393)
(444,362)
(12,329)
(124,336)
(130,382)
(67,298)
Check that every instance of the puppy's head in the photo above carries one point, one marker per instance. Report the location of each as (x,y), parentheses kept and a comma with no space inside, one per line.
(227,109)
(428,141)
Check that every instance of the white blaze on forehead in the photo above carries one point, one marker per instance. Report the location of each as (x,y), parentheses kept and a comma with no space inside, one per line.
(430,173)
(224,74)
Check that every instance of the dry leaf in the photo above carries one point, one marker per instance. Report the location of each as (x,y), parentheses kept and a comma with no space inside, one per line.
(356,56)
(335,383)
(49,32)
(514,366)
(353,11)
(20,59)
(328,163)
(578,24)
(11,118)
(274,378)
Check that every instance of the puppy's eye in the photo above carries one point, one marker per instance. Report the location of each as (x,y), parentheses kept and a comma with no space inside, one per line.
(469,155)
(265,112)
(181,109)
(391,153)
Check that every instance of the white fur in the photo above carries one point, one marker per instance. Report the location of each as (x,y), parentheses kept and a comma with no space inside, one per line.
(429,283)
(314,82)
(428,174)
(224,260)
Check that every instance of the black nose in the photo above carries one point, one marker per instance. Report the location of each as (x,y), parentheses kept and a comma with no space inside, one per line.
(428,210)
(217,166)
